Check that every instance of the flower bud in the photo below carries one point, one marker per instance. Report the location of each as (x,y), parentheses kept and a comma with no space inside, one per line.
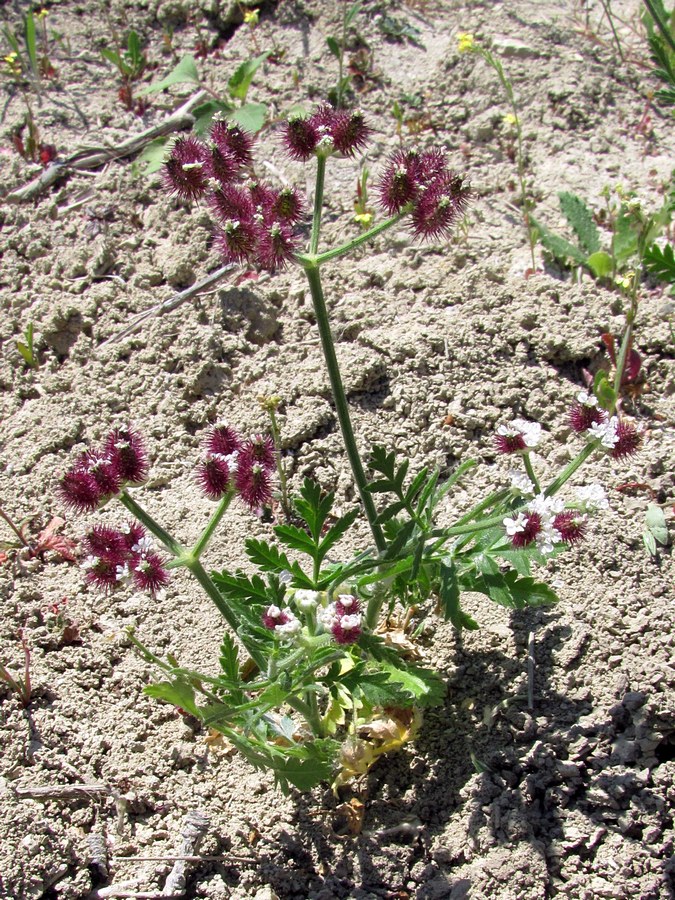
(186,171)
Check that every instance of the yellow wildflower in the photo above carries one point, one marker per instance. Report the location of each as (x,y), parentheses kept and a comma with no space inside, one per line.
(42,14)
(251,17)
(363,219)
(465,42)
(510,119)
(625,281)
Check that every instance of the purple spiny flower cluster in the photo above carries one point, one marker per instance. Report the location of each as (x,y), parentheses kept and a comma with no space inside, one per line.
(128,554)
(254,221)
(231,463)
(619,437)
(424,183)
(326,131)
(101,473)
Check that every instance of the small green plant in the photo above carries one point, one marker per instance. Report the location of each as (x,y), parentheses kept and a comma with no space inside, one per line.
(28,55)
(656,529)
(467,44)
(316,689)
(660,26)
(131,63)
(337,46)
(21,686)
(363,214)
(26,347)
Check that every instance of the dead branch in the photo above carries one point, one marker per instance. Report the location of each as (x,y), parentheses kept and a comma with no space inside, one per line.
(195,825)
(168,305)
(93,157)
(62,791)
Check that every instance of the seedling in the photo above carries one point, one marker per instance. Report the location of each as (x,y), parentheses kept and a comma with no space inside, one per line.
(313,691)
(363,214)
(468,44)
(28,56)
(47,540)
(21,686)
(131,63)
(337,46)
(27,349)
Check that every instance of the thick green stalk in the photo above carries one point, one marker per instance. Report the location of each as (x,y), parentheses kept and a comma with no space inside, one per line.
(530,472)
(318,205)
(341,405)
(317,259)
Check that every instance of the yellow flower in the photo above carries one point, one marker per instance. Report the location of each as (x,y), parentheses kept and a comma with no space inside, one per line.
(510,119)
(42,14)
(251,17)
(465,42)
(363,219)
(625,281)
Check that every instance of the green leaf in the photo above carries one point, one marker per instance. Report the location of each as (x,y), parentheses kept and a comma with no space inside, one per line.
(655,521)
(416,485)
(427,492)
(660,262)
(295,537)
(519,559)
(266,556)
(624,242)
(601,264)
(154,154)
(603,390)
(390,511)
(449,599)
(240,82)
(178,692)
(204,114)
(580,219)
(425,687)
(399,541)
(135,54)
(184,73)
(336,531)
(453,478)
(313,508)
(510,590)
(241,587)
(113,57)
(334,47)
(558,247)
(251,116)
(229,658)
(649,542)
(31,43)
(352,13)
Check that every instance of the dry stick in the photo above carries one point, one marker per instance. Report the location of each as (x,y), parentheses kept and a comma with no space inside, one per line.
(62,791)
(222,858)
(94,157)
(194,828)
(168,305)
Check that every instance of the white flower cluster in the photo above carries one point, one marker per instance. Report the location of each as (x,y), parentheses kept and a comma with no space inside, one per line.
(605,432)
(587,399)
(592,497)
(520,482)
(531,431)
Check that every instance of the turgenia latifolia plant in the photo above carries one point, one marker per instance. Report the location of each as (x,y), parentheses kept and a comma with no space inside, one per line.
(313,683)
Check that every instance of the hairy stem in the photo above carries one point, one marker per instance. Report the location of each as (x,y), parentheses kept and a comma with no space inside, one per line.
(207,534)
(153,527)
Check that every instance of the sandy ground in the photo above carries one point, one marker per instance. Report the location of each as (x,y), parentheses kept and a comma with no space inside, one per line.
(438,344)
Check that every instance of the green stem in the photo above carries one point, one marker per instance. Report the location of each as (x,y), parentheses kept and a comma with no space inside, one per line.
(530,472)
(309,712)
(341,405)
(571,468)
(318,205)
(375,604)
(490,500)
(283,483)
(153,527)
(310,260)
(624,351)
(207,534)
(197,569)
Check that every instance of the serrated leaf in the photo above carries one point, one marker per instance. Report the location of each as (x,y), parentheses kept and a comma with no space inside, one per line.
(183,73)
(655,520)
(266,556)
(580,219)
(296,538)
(241,587)
(425,687)
(660,262)
(336,531)
(313,508)
(519,559)
(229,658)
(383,462)
(449,599)
(416,485)
(558,247)
(251,116)
(240,81)
(601,264)
(399,541)
(390,511)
